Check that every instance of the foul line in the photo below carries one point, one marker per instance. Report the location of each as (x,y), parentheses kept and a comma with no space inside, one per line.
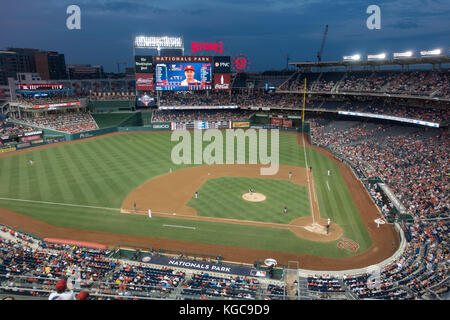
(307,177)
(197,218)
(328,186)
(171,225)
(60,204)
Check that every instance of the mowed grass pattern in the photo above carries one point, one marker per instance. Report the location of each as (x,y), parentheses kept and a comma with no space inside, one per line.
(103,171)
(222,198)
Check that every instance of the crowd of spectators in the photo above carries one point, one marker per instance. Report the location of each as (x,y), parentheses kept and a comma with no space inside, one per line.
(51,99)
(234,287)
(324,284)
(11,129)
(420,83)
(431,114)
(71,122)
(245,100)
(414,164)
(29,266)
(425,114)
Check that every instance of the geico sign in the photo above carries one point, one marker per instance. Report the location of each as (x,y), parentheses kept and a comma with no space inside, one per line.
(161,126)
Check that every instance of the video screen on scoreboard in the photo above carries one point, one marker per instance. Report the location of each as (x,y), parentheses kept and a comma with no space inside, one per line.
(183,76)
(143,99)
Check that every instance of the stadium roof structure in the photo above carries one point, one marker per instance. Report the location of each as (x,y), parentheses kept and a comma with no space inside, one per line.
(433,60)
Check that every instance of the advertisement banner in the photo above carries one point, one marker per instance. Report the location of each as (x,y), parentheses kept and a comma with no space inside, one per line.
(222,81)
(241,124)
(144,64)
(185,59)
(67,104)
(144,82)
(23,145)
(287,123)
(161,126)
(37,141)
(31,138)
(8,149)
(196,107)
(32,133)
(222,64)
(276,121)
(204,266)
(54,140)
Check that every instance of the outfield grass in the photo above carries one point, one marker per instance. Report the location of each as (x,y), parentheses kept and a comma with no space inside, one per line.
(103,171)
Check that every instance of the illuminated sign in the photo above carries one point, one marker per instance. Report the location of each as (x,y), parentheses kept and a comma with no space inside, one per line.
(144,82)
(181,59)
(183,73)
(158,42)
(57,105)
(145,100)
(144,64)
(200,46)
(222,81)
(378,116)
(241,124)
(241,63)
(222,64)
(40,86)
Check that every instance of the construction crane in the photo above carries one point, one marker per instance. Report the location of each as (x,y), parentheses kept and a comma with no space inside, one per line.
(319,54)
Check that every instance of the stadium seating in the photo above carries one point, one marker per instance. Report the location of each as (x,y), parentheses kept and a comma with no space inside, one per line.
(70,122)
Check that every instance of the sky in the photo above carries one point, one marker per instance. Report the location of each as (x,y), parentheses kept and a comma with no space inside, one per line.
(266,31)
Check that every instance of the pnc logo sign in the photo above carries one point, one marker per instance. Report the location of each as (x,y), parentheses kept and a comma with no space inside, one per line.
(241,63)
(222,64)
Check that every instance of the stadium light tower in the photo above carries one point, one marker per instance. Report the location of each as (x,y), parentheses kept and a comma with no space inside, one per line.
(353,58)
(403,55)
(380,56)
(431,53)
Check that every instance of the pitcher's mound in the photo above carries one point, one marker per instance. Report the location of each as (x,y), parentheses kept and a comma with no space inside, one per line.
(254,197)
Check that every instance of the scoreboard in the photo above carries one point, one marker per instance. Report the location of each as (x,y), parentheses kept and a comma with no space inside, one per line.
(182,73)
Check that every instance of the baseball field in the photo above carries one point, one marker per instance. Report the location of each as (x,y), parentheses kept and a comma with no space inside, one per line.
(100,189)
